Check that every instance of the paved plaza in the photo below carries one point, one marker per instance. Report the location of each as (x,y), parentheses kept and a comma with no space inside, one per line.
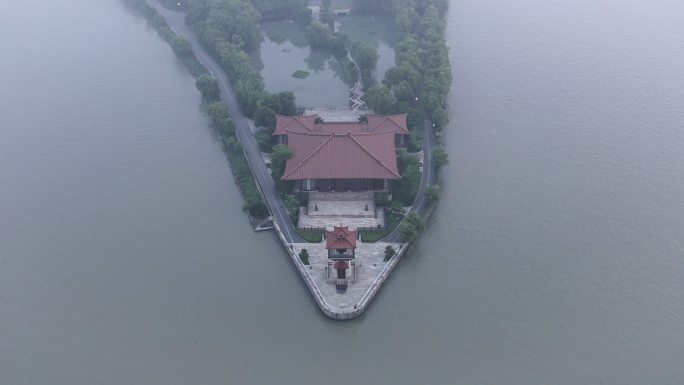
(331,115)
(356,209)
(369,264)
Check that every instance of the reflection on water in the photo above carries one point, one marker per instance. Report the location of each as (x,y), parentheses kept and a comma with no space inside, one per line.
(285,50)
(379,31)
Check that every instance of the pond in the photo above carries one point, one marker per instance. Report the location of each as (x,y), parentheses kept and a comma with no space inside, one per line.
(287,63)
(376,30)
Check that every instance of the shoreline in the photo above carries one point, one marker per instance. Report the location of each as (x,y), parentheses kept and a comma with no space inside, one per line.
(264,183)
(330,311)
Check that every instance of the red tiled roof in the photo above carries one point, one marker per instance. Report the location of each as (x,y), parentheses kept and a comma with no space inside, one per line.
(389,122)
(340,238)
(294,123)
(376,123)
(333,156)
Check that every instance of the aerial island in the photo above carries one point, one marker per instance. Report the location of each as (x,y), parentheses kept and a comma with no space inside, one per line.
(331,116)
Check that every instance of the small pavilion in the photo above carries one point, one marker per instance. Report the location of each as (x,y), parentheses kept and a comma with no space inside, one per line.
(341,245)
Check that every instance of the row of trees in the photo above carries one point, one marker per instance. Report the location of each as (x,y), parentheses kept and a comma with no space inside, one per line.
(421,79)
(229,29)
(217,110)
(224,125)
(417,85)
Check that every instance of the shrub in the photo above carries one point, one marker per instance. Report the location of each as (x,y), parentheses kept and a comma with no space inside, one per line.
(304,256)
(440,156)
(265,141)
(411,227)
(208,87)
(381,199)
(433,193)
(389,253)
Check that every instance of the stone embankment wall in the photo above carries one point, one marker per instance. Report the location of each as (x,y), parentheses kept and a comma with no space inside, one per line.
(326,308)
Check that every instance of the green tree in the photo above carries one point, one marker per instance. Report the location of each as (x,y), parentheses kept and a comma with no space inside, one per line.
(218,111)
(440,117)
(181,47)
(396,210)
(440,156)
(235,21)
(405,189)
(400,73)
(433,193)
(265,140)
(292,206)
(415,141)
(411,227)
(208,87)
(264,117)
(404,159)
(220,118)
(380,99)
(319,36)
(282,103)
(366,56)
(389,252)
(281,153)
(287,105)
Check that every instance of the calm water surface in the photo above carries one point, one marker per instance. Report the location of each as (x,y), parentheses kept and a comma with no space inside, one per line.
(285,50)
(556,258)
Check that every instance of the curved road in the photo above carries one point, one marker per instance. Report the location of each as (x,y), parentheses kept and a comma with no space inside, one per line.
(176,21)
(429,177)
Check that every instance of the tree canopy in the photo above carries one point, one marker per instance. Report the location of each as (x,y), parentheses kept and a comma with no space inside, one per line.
(411,227)
(208,87)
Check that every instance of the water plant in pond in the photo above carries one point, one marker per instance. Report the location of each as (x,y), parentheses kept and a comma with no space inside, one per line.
(299,74)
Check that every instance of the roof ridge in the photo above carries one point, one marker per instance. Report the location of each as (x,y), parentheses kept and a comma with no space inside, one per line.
(389,117)
(310,155)
(373,156)
(302,123)
(292,119)
(370,133)
(314,133)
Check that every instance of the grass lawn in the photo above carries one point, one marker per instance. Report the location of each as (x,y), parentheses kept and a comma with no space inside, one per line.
(299,74)
(374,235)
(311,236)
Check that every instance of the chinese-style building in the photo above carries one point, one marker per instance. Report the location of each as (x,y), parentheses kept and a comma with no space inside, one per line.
(342,156)
(341,245)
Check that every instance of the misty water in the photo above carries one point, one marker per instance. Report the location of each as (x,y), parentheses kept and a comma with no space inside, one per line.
(556,256)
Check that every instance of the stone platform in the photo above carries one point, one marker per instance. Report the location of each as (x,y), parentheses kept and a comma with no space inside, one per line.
(337,114)
(369,266)
(356,209)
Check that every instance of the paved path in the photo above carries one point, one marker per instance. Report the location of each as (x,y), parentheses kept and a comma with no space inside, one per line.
(429,177)
(176,21)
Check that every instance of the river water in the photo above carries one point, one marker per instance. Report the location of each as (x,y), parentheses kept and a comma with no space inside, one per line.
(556,256)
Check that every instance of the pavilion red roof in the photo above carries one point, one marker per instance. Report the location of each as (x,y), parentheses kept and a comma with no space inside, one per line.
(340,238)
(307,124)
(337,156)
